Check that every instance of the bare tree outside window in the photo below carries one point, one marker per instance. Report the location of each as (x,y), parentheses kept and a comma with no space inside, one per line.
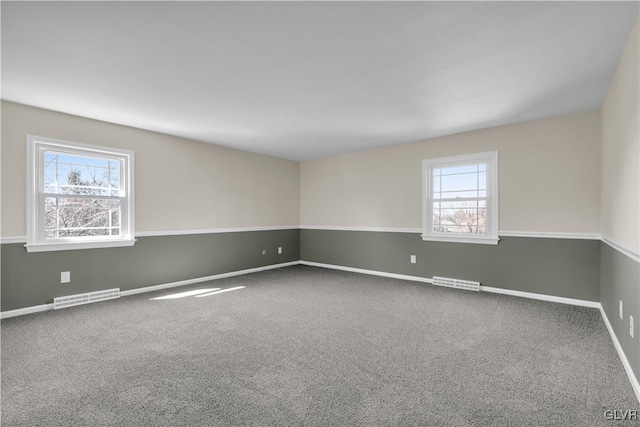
(459,199)
(81,196)
(465,217)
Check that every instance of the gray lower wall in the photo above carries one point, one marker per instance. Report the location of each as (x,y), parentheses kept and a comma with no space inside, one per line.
(560,267)
(30,279)
(620,281)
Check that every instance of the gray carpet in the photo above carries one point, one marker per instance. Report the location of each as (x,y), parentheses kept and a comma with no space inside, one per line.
(309,346)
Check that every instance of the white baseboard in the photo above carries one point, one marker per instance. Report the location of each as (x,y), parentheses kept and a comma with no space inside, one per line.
(26,310)
(372,272)
(543,297)
(45,307)
(623,357)
(531,295)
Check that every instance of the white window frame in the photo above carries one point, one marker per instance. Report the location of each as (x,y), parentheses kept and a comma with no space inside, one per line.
(36,242)
(491,160)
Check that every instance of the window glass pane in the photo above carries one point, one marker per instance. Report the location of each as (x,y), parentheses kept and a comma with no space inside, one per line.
(464,181)
(460,217)
(75,174)
(468,181)
(115,175)
(77,217)
(482,180)
(453,170)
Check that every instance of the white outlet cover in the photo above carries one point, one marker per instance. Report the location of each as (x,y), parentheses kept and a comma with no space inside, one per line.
(621,316)
(413,259)
(631,326)
(65,277)
(279,249)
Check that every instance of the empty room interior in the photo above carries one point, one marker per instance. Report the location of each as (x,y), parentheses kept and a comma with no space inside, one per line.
(320,213)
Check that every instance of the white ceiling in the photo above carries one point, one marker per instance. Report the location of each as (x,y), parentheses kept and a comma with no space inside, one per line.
(301,80)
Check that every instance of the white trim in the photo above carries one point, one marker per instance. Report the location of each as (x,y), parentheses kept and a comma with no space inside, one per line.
(531,295)
(26,310)
(374,229)
(623,357)
(542,297)
(372,272)
(550,235)
(535,234)
(213,230)
(622,248)
(538,234)
(15,239)
(72,246)
(461,239)
(23,239)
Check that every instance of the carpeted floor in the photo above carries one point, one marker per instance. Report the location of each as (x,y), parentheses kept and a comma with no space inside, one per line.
(309,346)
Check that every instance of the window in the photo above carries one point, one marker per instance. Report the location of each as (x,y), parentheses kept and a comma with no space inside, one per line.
(78,196)
(461,198)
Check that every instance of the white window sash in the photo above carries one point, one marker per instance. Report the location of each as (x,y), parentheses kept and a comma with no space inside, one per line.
(124,232)
(36,239)
(490,160)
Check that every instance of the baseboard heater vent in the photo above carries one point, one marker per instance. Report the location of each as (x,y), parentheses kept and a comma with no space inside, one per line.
(456,283)
(78,299)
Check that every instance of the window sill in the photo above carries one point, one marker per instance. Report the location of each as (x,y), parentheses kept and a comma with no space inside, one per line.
(70,246)
(462,239)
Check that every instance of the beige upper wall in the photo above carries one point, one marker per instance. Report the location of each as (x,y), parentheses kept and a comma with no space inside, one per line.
(180,184)
(621,149)
(549,178)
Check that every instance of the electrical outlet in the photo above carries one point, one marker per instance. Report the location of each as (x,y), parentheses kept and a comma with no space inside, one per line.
(413,259)
(631,326)
(65,277)
(279,250)
(620,307)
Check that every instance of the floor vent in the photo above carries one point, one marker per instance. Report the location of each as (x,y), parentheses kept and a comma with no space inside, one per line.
(78,299)
(456,283)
